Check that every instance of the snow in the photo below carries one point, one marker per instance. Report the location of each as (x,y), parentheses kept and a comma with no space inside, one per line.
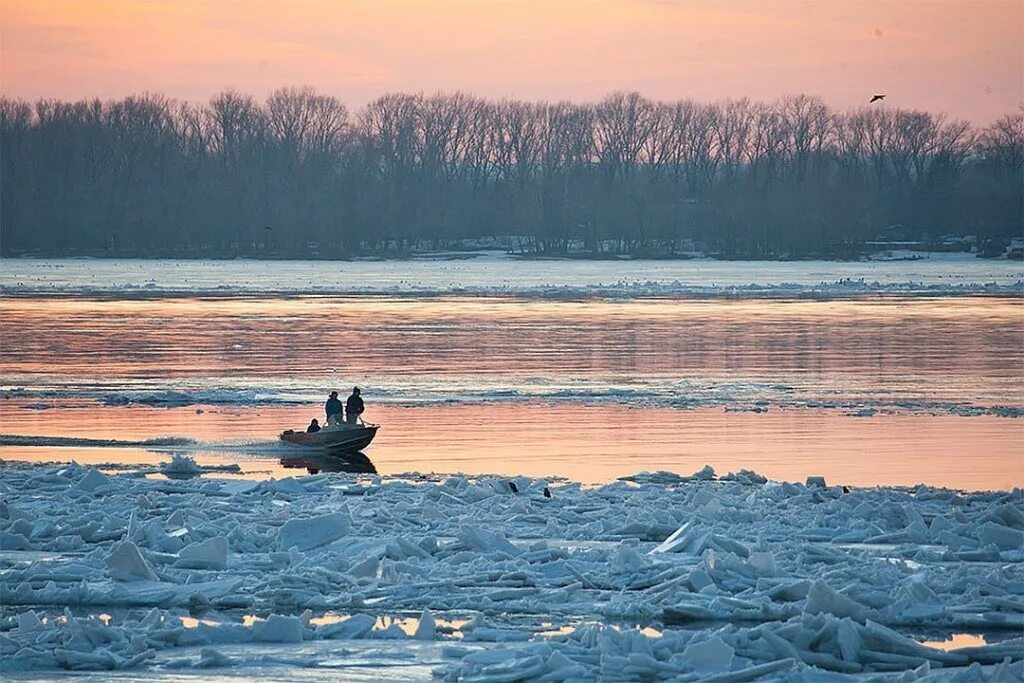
(665,576)
(955,274)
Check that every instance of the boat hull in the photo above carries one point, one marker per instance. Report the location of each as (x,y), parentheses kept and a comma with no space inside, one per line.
(349,439)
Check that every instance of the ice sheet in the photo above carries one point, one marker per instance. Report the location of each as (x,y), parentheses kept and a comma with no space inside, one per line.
(495,274)
(759,580)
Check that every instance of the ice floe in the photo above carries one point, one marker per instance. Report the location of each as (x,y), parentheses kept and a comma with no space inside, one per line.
(948,274)
(659,576)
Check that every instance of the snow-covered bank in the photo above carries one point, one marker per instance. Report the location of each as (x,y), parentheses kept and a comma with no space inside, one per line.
(741,578)
(823,290)
(938,275)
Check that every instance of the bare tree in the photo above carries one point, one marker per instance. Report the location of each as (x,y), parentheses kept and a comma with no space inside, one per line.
(146,175)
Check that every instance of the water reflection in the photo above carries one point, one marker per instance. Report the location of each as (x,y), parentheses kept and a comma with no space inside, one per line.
(591,444)
(823,349)
(353,463)
(864,392)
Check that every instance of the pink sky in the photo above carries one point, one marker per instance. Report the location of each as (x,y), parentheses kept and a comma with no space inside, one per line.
(962,58)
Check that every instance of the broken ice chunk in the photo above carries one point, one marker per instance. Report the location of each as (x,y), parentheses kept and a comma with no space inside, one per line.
(478,539)
(1003,537)
(705,473)
(763,562)
(29,621)
(278,629)
(712,654)
(306,534)
(126,563)
(427,628)
(93,480)
(850,642)
(356,626)
(209,554)
(822,598)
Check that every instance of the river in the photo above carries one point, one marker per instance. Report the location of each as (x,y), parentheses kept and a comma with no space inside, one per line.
(866,388)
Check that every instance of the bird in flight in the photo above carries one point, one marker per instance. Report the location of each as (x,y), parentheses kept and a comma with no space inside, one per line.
(876,97)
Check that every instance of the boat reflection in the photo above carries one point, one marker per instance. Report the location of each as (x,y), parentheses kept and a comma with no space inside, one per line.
(351,462)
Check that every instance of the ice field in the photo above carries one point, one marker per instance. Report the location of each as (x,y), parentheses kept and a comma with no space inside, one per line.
(660,577)
(504,537)
(496,273)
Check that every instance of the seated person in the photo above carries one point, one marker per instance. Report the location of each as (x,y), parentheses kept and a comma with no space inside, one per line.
(313,427)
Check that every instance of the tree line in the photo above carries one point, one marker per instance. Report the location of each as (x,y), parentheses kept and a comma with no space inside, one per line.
(300,174)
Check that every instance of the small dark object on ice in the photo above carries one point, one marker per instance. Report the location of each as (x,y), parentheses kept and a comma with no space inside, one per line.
(547,493)
(512,487)
(846,489)
(198,604)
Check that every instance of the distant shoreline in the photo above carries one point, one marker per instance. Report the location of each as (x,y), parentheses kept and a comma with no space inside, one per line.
(496,273)
(457,254)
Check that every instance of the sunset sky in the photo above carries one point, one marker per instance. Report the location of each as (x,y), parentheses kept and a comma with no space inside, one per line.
(963,58)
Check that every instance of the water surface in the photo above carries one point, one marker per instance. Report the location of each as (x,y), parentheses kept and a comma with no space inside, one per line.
(882,390)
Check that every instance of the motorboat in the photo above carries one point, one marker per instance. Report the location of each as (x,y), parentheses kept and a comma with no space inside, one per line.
(336,437)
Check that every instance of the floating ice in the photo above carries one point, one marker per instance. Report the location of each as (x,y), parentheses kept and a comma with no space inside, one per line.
(706,472)
(800,581)
(126,563)
(949,274)
(709,655)
(209,554)
(278,629)
(425,630)
(305,534)
(212,659)
(356,626)
(93,480)
(823,598)
(1001,536)
(181,465)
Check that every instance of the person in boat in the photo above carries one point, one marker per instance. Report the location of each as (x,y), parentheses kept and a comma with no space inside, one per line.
(313,427)
(354,406)
(333,408)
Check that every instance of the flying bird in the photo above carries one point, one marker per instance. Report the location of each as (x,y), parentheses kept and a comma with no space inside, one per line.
(876,97)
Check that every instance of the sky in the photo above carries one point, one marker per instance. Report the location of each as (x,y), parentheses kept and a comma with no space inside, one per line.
(965,59)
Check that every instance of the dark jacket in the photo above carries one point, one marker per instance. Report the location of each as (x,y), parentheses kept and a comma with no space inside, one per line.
(354,405)
(333,407)
(312,428)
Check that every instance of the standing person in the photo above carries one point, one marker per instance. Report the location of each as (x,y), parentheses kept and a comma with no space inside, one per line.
(354,406)
(333,408)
